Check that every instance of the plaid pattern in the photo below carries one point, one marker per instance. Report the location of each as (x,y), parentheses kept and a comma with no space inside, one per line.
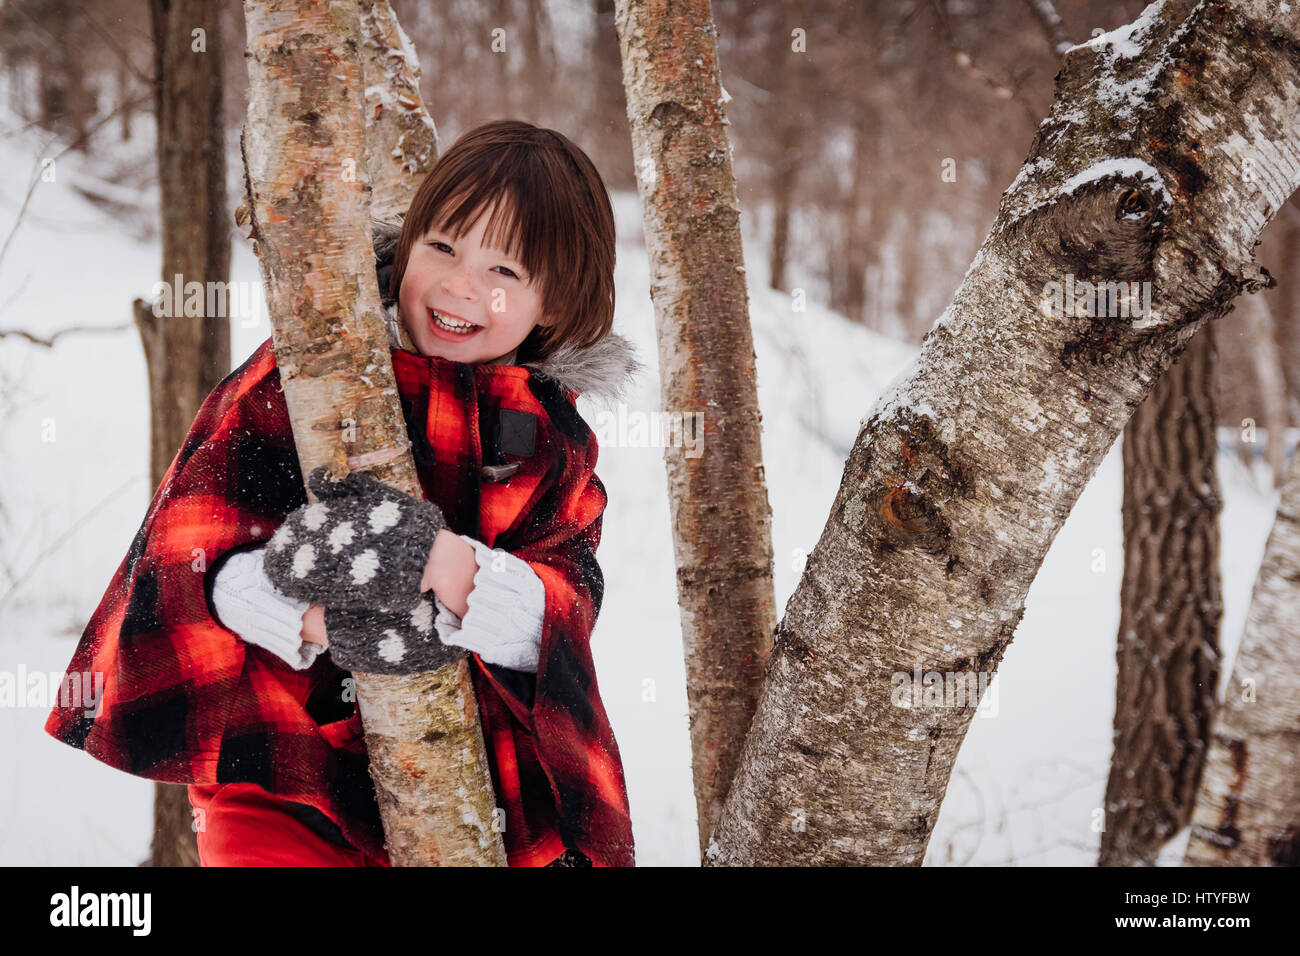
(186,701)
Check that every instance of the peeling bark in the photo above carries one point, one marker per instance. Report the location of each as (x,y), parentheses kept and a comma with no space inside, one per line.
(1248,810)
(966,469)
(401,139)
(720,515)
(308,183)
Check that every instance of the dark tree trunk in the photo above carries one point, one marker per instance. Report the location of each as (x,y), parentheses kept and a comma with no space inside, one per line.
(855,253)
(611,139)
(1169,611)
(790,131)
(185,355)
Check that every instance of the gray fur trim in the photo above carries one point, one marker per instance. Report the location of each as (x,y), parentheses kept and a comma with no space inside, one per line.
(604,371)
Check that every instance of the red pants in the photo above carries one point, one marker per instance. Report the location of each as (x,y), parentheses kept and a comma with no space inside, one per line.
(243,825)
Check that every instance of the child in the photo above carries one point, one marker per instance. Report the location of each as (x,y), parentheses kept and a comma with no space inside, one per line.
(225,661)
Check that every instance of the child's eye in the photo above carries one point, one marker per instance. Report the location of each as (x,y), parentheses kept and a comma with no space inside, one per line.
(437,242)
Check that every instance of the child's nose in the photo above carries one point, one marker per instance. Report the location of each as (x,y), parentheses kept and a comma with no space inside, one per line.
(458,282)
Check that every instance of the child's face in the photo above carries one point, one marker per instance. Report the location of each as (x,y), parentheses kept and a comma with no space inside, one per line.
(473,283)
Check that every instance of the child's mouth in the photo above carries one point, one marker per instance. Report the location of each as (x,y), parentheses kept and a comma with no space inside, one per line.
(451,329)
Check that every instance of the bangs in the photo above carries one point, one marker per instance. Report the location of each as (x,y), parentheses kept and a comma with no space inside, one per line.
(504,233)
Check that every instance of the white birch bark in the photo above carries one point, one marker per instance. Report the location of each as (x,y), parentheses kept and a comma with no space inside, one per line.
(401,139)
(309,203)
(1171,143)
(721,520)
(1248,810)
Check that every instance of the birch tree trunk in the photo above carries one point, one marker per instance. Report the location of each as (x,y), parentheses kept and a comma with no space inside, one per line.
(1170,608)
(305,159)
(185,355)
(1248,810)
(720,515)
(966,469)
(401,139)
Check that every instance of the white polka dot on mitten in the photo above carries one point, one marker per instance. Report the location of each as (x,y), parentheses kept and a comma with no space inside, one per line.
(361,545)
(388,642)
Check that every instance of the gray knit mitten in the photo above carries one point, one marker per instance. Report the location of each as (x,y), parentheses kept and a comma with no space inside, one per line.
(387,642)
(362,546)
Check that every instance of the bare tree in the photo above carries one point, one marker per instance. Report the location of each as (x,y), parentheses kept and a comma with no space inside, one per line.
(720,514)
(186,354)
(790,131)
(607,112)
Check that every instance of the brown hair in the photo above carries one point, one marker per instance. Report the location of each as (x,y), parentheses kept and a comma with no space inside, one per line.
(553,209)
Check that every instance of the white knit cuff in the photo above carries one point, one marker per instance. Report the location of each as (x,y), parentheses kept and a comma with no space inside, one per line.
(506,610)
(250,605)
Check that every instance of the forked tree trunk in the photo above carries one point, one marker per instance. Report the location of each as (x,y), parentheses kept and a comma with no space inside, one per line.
(720,515)
(966,469)
(185,355)
(1170,608)
(1248,810)
(311,223)
(401,139)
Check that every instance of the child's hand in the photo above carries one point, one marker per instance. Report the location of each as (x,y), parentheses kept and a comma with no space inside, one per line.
(362,546)
(313,626)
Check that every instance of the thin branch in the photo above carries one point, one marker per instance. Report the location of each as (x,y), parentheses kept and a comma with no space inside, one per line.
(146,97)
(63,538)
(1050,21)
(967,62)
(16,296)
(20,129)
(49,343)
(117,47)
(74,144)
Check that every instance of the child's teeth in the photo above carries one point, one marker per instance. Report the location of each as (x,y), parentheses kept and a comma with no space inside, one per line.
(451,325)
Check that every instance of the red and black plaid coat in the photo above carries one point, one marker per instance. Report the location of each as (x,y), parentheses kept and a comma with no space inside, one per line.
(186,701)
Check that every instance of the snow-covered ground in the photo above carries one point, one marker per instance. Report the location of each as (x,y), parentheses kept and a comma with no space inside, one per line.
(74,488)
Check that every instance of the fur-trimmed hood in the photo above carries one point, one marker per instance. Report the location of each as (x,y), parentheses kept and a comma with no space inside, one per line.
(604,371)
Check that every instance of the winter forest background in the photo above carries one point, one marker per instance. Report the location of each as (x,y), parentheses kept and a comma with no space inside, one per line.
(887,147)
